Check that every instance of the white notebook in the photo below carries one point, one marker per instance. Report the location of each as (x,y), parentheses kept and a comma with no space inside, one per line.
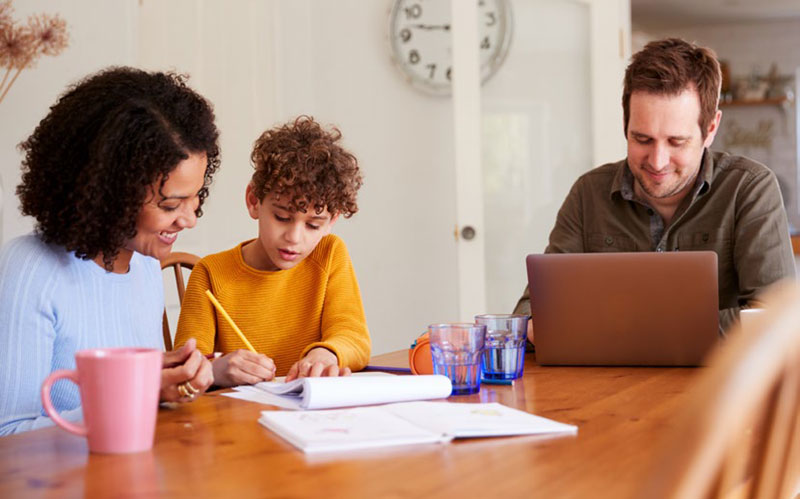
(404,424)
(345,391)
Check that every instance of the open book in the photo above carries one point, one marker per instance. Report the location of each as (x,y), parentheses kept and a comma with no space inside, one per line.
(403,424)
(345,391)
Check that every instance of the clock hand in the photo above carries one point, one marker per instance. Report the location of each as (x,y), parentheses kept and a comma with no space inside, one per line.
(445,27)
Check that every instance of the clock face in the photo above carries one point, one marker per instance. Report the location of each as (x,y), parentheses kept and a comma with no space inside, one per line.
(421,40)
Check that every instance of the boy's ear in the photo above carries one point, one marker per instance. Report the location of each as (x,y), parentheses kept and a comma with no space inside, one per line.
(334,218)
(252,202)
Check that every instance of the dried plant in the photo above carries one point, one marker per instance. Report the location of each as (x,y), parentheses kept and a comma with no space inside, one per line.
(5,13)
(22,45)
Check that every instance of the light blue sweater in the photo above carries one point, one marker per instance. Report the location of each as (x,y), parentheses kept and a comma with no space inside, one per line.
(53,304)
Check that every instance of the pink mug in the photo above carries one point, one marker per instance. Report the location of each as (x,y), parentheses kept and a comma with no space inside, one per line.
(119,395)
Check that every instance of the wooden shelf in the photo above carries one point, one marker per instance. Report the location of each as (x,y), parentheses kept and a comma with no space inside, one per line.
(779,101)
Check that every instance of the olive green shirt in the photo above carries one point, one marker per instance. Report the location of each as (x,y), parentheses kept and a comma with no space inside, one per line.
(734,209)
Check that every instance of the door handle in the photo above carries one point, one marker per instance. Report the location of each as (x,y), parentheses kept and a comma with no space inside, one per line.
(468,233)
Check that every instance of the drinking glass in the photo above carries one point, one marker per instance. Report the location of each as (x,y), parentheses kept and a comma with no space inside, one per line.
(504,349)
(456,350)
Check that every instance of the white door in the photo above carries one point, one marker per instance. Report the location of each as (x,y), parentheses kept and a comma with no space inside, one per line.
(550,113)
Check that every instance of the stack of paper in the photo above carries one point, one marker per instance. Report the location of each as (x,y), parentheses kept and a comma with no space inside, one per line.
(403,424)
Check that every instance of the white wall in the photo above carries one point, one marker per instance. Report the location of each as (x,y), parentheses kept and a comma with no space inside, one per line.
(228,53)
(403,231)
(101,33)
(261,63)
(335,65)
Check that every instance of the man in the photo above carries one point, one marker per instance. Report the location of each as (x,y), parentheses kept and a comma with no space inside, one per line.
(671,193)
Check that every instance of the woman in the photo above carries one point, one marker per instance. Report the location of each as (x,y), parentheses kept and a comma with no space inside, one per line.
(119,166)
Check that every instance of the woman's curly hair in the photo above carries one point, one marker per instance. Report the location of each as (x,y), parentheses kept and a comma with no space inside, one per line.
(303,164)
(90,162)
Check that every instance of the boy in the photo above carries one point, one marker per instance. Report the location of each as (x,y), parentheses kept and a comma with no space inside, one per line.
(292,290)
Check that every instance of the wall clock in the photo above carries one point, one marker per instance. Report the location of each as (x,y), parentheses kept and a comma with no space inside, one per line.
(421,42)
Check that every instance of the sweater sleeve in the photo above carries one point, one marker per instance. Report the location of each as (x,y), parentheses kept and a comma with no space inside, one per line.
(197,319)
(27,335)
(344,326)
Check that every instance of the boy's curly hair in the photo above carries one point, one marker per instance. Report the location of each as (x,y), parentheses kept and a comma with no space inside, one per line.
(89,164)
(302,163)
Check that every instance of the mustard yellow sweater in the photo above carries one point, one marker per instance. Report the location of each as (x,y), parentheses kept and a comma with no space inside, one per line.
(283,313)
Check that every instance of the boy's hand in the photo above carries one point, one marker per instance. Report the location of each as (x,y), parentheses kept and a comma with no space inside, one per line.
(317,362)
(242,367)
(181,366)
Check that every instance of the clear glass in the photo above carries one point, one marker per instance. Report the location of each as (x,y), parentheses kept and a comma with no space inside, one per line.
(504,347)
(457,350)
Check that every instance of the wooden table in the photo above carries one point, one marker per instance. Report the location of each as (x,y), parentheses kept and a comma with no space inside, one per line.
(214,447)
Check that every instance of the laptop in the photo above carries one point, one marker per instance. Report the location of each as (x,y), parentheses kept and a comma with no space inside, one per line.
(635,309)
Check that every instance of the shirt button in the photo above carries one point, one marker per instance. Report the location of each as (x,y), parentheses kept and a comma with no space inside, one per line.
(609,240)
(705,238)
(660,249)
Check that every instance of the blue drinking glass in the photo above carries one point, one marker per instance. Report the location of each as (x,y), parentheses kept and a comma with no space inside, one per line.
(504,349)
(456,350)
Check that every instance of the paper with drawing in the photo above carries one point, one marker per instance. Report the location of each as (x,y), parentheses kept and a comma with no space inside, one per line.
(404,424)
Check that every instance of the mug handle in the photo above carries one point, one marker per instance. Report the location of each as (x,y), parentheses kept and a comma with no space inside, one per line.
(48,403)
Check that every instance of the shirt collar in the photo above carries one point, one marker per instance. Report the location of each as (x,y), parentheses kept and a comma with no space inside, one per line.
(706,174)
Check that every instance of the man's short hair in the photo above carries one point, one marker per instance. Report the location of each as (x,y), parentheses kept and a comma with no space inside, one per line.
(670,66)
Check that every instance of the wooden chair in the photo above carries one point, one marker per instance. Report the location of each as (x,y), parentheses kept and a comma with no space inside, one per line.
(740,433)
(177,261)
(796,244)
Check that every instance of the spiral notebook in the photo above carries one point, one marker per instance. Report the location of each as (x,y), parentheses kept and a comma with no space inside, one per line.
(345,391)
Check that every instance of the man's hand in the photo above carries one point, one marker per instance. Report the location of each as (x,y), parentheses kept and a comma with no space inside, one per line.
(530,331)
(243,367)
(317,362)
(183,365)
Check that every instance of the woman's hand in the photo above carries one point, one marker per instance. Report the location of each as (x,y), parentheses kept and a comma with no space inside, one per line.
(188,367)
(243,367)
(317,362)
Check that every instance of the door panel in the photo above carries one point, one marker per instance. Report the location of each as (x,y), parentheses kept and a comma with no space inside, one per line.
(539,133)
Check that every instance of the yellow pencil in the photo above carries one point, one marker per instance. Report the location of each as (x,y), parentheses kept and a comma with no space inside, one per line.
(230,321)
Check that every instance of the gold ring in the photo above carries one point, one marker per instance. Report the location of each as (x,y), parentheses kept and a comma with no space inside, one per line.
(191,389)
(184,392)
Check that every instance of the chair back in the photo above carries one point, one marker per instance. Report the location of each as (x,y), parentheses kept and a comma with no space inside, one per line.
(177,261)
(740,433)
